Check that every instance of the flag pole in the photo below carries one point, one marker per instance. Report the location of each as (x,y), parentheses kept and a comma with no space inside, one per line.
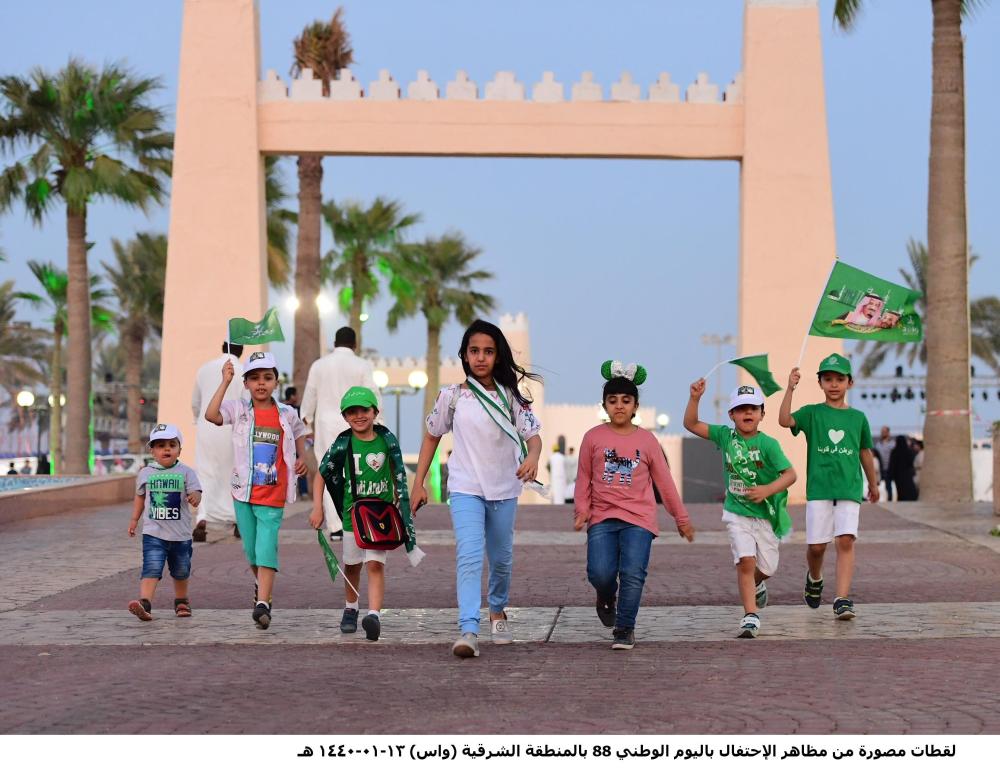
(723,362)
(805,340)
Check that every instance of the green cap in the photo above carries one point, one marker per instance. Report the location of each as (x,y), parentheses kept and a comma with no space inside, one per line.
(358,397)
(835,363)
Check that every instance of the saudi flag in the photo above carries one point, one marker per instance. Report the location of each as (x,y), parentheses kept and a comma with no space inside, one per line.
(249,333)
(757,367)
(332,565)
(858,305)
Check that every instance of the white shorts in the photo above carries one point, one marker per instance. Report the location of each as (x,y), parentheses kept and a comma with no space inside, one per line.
(827,519)
(752,537)
(355,556)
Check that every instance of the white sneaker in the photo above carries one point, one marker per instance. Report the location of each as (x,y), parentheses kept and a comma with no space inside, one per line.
(500,630)
(749,626)
(466,646)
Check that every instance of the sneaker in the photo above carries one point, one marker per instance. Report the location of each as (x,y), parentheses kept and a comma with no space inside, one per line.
(607,612)
(141,610)
(761,595)
(255,599)
(814,592)
(749,626)
(262,615)
(349,621)
(500,630)
(624,639)
(843,608)
(337,535)
(200,532)
(236,531)
(371,625)
(466,646)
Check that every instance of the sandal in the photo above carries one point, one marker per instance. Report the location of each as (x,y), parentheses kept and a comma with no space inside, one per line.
(182,607)
(141,610)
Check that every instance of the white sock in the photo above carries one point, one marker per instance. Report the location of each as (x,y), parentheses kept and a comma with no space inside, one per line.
(353,605)
(261,602)
(813,580)
(376,614)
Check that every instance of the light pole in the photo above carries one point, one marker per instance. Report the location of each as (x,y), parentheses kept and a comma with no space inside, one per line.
(714,339)
(417,380)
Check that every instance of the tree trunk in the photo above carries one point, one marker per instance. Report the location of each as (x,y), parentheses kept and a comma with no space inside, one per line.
(357,299)
(307,281)
(56,391)
(433,368)
(133,384)
(947,472)
(78,362)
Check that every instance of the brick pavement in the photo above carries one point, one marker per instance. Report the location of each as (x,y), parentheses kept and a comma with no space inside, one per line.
(75,660)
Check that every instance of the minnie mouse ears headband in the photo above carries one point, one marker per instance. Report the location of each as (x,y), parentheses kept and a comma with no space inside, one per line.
(613,368)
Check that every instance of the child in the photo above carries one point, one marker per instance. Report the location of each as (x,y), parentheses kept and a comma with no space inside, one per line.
(268,446)
(757,477)
(613,498)
(840,445)
(378,473)
(163,492)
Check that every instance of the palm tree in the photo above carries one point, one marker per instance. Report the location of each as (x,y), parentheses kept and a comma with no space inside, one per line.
(138,279)
(984,315)
(444,282)
(22,347)
(279,266)
(54,282)
(71,123)
(365,240)
(325,48)
(947,471)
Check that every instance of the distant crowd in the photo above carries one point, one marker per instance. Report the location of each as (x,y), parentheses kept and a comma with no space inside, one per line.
(900,459)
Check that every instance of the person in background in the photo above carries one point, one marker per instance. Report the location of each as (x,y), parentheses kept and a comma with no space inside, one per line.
(11,470)
(571,466)
(44,466)
(918,463)
(26,468)
(901,469)
(883,449)
(292,401)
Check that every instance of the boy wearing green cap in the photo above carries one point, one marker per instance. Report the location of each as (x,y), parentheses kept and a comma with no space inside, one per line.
(379,473)
(839,445)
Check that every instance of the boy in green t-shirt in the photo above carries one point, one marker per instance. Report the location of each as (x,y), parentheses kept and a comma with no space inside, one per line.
(840,445)
(375,454)
(757,477)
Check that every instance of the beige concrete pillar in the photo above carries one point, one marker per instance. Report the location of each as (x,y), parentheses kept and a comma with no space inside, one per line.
(787,242)
(216,260)
(996,468)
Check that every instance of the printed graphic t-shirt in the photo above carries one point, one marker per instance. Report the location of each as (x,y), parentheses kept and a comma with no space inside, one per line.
(166,514)
(268,474)
(835,438)
(372,470)
(757,463)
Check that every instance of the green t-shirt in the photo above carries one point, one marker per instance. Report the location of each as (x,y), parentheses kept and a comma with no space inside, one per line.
(835,437)
(372,470)
(759,461)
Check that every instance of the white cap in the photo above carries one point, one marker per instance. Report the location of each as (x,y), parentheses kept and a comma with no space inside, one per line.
(745,395)
(261,360)
(165,432)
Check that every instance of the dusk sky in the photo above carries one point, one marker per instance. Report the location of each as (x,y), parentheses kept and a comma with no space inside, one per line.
(609,259)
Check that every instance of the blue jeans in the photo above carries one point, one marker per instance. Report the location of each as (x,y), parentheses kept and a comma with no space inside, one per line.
(176,553)
(479,522)
(617,556)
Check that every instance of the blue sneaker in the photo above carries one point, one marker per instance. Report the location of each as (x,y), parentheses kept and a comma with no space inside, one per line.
(843,608)
(749,626)
(349,621)
(371,625)
(813,594)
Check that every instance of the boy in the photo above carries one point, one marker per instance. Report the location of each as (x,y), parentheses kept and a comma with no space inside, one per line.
(163,492)
(757,479)
(378,473)
(268,447)
(839,446)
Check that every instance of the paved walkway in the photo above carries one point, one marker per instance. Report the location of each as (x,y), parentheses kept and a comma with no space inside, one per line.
(920,657)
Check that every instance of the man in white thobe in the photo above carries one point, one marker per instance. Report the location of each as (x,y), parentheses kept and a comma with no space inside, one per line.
(557,476)
(214,454)
(329,379)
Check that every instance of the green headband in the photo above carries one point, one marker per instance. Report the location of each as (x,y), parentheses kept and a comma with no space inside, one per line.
(613,368)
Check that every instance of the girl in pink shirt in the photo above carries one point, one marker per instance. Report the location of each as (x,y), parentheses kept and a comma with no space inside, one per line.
(618,466)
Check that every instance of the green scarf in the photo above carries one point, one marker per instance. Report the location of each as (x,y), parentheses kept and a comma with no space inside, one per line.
(334,476)
(776,504)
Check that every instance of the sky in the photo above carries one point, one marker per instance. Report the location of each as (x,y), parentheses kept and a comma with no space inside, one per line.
(626,259)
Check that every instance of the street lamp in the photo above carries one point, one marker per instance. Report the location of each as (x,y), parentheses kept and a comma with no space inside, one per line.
(417,380)
(662,420)
(26,400)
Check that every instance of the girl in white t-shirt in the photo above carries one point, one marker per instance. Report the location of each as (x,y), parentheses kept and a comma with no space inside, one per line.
(496,449)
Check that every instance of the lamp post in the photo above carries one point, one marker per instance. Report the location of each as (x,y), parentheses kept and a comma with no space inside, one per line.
(417,380)
(26,400)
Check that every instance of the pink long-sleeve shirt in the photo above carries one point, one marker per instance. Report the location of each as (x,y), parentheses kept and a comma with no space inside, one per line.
(615,478)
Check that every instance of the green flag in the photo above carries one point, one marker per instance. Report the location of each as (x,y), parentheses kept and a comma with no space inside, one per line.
(331,560)
(756,366)
(249,333)
(858,305)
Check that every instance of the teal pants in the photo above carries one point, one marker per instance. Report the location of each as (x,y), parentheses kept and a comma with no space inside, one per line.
(259,525)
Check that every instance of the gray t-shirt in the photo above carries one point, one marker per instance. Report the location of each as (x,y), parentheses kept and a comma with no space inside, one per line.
(167,515)
(884,449)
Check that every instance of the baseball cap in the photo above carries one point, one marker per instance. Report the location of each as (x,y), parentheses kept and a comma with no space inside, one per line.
(835,363)
(261,360)
(358,397)
(745,395)
(164,432)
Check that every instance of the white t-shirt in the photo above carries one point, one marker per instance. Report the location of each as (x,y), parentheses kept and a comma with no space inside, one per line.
(484,460)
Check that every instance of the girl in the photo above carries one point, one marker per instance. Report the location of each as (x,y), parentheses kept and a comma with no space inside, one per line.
(618,465)
(496,448)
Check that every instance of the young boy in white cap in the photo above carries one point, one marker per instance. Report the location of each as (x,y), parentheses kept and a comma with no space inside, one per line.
(268,451)
(758,475)
(840,445)
(163,492)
